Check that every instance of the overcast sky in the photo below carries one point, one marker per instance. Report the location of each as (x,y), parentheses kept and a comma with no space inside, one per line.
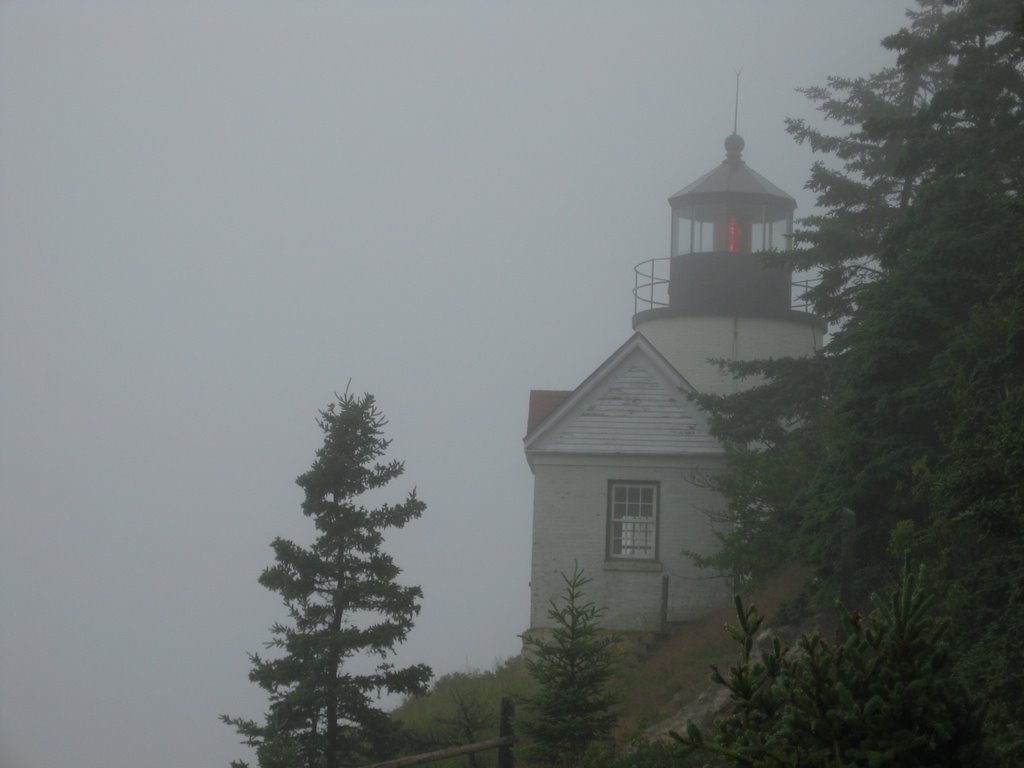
(215,214)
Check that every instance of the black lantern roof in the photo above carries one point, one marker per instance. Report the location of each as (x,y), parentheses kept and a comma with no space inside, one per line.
(733,177)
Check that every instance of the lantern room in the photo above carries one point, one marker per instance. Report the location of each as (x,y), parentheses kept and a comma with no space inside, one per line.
(732,209)
(723,224)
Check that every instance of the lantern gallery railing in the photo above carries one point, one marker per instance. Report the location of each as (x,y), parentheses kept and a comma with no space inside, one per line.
(651,281)
(801,289)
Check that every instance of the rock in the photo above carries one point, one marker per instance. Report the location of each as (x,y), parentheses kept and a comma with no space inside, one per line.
(714,702)
(717,700)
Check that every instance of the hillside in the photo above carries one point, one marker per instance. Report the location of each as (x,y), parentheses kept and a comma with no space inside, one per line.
(658,678)
(676,670)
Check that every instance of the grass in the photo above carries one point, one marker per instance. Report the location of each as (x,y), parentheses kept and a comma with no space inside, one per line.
(463,707)
(678,669)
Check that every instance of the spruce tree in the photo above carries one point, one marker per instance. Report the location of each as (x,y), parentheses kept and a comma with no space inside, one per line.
(343,600)
(911,415)
(884,697)
(573,665)
(921,226)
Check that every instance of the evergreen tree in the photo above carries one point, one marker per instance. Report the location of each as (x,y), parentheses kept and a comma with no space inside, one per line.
(342,599)
(922,226)
(884,697)
(911,415)
(572,709)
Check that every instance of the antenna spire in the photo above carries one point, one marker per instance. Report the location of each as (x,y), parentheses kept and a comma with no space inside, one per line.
(736,108)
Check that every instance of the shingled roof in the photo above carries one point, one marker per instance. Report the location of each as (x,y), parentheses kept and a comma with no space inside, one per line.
(542,403)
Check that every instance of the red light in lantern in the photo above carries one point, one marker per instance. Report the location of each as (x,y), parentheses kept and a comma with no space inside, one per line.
(732,233)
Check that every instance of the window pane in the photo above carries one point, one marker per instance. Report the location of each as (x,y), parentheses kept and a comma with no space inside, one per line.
(632,531)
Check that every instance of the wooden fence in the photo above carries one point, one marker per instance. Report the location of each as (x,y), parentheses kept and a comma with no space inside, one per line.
(506,738)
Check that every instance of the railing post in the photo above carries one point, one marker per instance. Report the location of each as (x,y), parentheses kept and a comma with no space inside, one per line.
(636,287)
(652,284)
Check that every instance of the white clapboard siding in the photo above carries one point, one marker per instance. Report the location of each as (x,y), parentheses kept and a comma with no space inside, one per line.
(635,409)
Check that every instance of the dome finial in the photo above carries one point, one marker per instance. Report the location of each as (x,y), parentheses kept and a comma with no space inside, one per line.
(734,147)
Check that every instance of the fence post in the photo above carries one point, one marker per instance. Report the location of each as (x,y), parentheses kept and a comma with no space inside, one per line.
(664,603)
(508,711)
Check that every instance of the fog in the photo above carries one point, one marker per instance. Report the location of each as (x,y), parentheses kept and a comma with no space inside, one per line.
(213,216)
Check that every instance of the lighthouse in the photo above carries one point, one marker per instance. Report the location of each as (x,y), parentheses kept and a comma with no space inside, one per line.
(621,463)
(714,297)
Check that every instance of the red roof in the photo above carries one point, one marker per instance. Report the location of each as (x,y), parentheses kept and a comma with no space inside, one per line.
(542,403)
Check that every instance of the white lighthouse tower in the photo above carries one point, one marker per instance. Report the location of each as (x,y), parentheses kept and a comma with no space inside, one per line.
(618,461)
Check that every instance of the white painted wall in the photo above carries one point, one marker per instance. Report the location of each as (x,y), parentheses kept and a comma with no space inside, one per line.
(570,514)
(689,342)
(570,523)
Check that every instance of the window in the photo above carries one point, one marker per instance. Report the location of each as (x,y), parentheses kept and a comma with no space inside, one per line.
(633,520)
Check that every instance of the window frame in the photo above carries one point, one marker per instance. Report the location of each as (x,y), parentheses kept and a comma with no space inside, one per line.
(610,520)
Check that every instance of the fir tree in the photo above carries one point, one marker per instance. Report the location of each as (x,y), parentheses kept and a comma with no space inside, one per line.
(343,600)
(572,708)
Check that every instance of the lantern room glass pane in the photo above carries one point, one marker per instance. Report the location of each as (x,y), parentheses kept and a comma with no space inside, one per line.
(760,230)
(731,227)
(692,235)
(681,227)
(779,238)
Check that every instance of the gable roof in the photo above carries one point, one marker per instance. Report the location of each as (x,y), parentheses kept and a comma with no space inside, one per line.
(634,403)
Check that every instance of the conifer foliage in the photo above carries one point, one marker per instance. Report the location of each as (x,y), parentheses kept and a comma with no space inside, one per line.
(343,600)
(911,414)
(885,696)
(573,666)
